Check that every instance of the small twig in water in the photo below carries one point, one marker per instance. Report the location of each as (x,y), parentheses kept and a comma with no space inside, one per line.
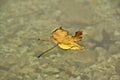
(44,40)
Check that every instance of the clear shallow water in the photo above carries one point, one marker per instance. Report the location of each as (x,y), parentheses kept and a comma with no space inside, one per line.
(23,22)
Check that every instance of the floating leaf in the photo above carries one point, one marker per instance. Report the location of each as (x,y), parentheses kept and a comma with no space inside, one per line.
(66,41)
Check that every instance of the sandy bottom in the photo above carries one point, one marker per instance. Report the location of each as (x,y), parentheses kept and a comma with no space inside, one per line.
(22,22)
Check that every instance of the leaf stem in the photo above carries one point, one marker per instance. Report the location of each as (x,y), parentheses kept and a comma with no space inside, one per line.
(46,51)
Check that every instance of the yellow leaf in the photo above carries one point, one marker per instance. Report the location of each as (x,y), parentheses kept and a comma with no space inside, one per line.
(66,41)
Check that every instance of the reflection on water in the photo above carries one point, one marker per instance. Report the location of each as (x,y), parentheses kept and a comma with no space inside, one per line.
(23,22)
